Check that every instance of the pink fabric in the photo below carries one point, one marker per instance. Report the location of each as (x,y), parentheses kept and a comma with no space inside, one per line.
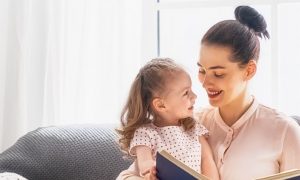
(262,142)
(183,145)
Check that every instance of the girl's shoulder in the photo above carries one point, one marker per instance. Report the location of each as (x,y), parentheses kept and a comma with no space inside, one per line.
(146,130)
(146,127)
(150,129)
(200,129)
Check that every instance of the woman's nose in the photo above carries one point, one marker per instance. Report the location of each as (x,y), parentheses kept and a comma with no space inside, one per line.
(205,81)
(202,79)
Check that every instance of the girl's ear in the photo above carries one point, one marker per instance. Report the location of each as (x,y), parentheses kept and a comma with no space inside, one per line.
(250,69)
(158,104)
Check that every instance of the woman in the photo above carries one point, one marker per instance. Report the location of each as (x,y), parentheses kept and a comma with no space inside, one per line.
(248,139)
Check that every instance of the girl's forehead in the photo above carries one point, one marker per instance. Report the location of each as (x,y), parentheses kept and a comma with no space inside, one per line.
(179,80)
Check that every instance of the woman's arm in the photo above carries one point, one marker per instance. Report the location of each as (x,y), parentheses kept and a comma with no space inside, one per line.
(208,165)
(290,157)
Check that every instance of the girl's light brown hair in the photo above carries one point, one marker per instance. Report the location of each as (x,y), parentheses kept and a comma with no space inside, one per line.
(149,82)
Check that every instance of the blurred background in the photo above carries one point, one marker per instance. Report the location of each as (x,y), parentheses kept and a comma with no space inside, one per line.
(72,61)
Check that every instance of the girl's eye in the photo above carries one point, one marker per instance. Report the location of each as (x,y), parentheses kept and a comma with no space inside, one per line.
(186,93)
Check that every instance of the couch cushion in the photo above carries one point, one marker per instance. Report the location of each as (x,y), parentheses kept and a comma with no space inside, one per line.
(70,152)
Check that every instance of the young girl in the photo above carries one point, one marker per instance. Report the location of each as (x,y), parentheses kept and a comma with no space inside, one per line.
(158,115)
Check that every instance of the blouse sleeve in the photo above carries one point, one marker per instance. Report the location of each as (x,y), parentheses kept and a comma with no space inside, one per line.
(141,137)
(201,130)
(290,158)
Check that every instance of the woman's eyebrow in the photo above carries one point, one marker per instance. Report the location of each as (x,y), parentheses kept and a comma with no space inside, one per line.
(213,67)
(217,67)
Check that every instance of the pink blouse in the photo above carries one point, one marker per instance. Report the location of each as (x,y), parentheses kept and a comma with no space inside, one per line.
(262,142)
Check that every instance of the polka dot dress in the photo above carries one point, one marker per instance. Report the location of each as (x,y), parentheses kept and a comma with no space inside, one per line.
(183,145)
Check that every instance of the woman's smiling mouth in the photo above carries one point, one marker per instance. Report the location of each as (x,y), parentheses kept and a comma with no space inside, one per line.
(213,94)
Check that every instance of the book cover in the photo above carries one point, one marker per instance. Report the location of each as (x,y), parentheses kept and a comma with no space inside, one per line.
(170,168)
(293,174)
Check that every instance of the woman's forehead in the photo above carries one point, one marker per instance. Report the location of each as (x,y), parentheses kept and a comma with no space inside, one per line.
(214,57)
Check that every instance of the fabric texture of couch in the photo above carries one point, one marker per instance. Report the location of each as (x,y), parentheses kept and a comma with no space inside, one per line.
(66,153)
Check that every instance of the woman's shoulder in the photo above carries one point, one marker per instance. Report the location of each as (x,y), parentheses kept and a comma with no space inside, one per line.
(275,115)
(204,113)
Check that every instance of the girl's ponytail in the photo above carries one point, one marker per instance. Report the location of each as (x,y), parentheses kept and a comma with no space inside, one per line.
(134,113)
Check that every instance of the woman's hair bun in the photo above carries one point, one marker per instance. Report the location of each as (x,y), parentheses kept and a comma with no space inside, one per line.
(251,18)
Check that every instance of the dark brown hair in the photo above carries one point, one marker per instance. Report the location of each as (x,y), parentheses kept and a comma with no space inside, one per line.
(241,35)
(150,82)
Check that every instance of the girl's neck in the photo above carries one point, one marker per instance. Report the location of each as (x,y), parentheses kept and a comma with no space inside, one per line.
(160,122)
(232,112)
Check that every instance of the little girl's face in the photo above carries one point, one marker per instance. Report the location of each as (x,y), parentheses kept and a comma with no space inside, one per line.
(179,100)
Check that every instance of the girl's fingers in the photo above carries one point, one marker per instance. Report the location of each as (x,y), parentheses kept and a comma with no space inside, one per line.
(153,173)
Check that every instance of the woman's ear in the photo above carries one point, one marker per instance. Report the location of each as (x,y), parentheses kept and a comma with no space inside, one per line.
(158,105)
(250,69)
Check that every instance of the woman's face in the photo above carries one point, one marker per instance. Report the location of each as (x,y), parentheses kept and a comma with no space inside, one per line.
(223,80)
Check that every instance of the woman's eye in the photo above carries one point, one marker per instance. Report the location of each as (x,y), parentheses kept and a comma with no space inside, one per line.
(201,71)
(219,75)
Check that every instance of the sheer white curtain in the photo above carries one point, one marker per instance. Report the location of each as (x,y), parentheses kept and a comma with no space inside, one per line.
(65,62)
(183,23)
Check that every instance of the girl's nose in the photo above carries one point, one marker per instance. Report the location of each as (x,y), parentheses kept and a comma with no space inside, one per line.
(194,96)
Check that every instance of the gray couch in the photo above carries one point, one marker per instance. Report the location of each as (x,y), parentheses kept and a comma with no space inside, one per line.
(67,153)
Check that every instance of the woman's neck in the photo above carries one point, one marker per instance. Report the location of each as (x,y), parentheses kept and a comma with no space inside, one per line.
(232,112)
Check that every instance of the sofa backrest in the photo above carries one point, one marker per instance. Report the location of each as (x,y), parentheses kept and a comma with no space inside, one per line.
(64,153)
(297,118)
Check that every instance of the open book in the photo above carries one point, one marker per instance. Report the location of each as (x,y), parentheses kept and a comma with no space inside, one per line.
(293,174)
(170,168)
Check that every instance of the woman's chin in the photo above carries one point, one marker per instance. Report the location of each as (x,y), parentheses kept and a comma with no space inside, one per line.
(215,101)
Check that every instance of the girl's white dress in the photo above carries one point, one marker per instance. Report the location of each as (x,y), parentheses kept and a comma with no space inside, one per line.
(183,145)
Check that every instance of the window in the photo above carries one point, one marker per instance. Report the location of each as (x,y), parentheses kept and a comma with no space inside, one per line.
(182,24)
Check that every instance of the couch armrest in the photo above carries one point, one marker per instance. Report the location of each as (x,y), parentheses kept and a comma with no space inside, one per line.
(69,152)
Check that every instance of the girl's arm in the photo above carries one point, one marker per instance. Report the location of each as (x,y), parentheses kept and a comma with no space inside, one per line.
(208,165)
(145,162)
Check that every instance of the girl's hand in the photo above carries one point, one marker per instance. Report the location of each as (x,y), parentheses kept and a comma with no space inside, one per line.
(151,174)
